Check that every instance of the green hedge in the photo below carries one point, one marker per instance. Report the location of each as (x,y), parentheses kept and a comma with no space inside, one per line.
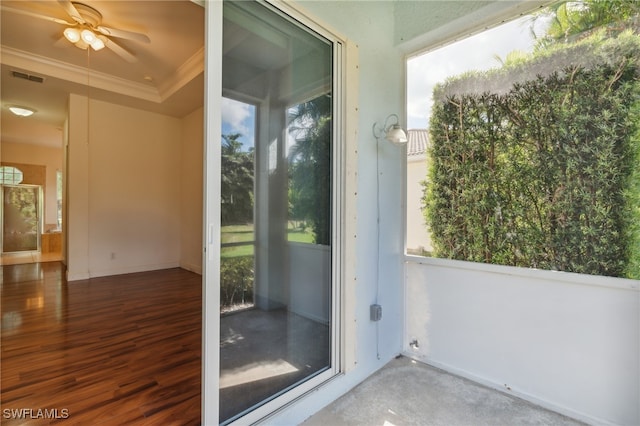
(540,169)
(236,280)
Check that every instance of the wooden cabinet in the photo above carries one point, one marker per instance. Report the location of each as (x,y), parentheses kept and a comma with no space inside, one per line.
(52,242)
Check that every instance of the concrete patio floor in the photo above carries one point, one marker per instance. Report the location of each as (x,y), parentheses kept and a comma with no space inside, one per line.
(406,392)
(264,352)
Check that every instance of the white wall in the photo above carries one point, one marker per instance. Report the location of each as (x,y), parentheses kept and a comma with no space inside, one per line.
(42,156)
(425,24)
(191,191)
(309,278)
(569,342)
(412,17)
(124,190)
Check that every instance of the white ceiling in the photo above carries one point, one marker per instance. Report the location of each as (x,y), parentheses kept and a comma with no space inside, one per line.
(166,78)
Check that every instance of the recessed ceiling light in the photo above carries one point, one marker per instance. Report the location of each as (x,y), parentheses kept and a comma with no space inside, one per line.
(21,111)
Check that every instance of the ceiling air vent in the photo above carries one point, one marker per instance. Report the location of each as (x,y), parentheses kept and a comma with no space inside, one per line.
(25,76)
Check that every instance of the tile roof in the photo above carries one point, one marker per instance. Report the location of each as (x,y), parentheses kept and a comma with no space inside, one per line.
(418,141)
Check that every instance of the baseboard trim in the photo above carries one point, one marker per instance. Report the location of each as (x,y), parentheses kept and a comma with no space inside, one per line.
(121,271)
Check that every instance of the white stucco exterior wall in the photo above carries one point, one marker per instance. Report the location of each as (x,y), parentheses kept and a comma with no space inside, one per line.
(568,342)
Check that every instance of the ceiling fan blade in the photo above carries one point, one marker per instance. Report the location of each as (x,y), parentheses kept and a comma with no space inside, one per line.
(36,15)
(72,11)
(129,35)
(119,50)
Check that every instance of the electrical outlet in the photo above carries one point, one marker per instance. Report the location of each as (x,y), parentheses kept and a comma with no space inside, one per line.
(375,312)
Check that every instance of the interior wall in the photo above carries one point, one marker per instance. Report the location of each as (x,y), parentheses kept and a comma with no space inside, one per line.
(566,341)
(191,202)
(39,155)
(77,211)
(124,189)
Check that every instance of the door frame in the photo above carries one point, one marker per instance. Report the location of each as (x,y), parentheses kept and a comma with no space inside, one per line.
(341,246)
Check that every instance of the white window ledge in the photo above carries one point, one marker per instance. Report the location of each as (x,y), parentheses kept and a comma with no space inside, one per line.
(566,277)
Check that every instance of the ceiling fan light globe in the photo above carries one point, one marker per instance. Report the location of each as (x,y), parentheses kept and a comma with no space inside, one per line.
(88,36)
(98,44)
(72,34)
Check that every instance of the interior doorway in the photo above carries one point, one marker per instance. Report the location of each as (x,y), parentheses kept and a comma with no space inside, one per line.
(21,218)
(30,223)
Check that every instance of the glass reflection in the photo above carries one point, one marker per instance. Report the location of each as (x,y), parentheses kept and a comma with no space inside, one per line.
(282,73)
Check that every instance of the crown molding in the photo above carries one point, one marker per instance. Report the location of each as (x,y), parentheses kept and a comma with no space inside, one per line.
(79,75)
(191,68)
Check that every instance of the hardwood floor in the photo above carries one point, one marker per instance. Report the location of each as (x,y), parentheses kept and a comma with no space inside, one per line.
(105,351)
(29,257)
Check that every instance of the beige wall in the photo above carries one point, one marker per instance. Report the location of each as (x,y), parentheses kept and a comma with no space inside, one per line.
(77,194)
(51,158)
(124,190)
(417,236)
(191,192)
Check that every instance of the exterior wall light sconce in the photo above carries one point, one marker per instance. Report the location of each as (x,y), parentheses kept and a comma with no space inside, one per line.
(391,131)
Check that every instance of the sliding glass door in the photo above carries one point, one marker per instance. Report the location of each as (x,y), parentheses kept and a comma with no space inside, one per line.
(276,328)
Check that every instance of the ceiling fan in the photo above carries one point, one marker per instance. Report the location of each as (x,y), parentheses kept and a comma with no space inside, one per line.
(86,29)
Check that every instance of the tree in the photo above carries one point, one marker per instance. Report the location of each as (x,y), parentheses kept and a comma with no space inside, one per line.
(237,181)
(310,166)
(574,20)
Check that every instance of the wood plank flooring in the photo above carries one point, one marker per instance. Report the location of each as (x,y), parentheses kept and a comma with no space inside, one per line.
(105,351)
(29,257)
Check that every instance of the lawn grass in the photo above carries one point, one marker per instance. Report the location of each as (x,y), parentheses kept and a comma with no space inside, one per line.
(237,251)
(298,236)
(244,233)
(236,233)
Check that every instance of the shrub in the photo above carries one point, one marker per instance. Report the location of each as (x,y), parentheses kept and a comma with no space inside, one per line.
(539,170)
(236,280)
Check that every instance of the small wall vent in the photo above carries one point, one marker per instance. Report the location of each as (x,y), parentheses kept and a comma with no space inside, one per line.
(25,76)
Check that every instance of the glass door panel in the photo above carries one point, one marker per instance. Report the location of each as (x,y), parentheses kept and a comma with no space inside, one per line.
(237,262)
(284,338)
(20,218)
